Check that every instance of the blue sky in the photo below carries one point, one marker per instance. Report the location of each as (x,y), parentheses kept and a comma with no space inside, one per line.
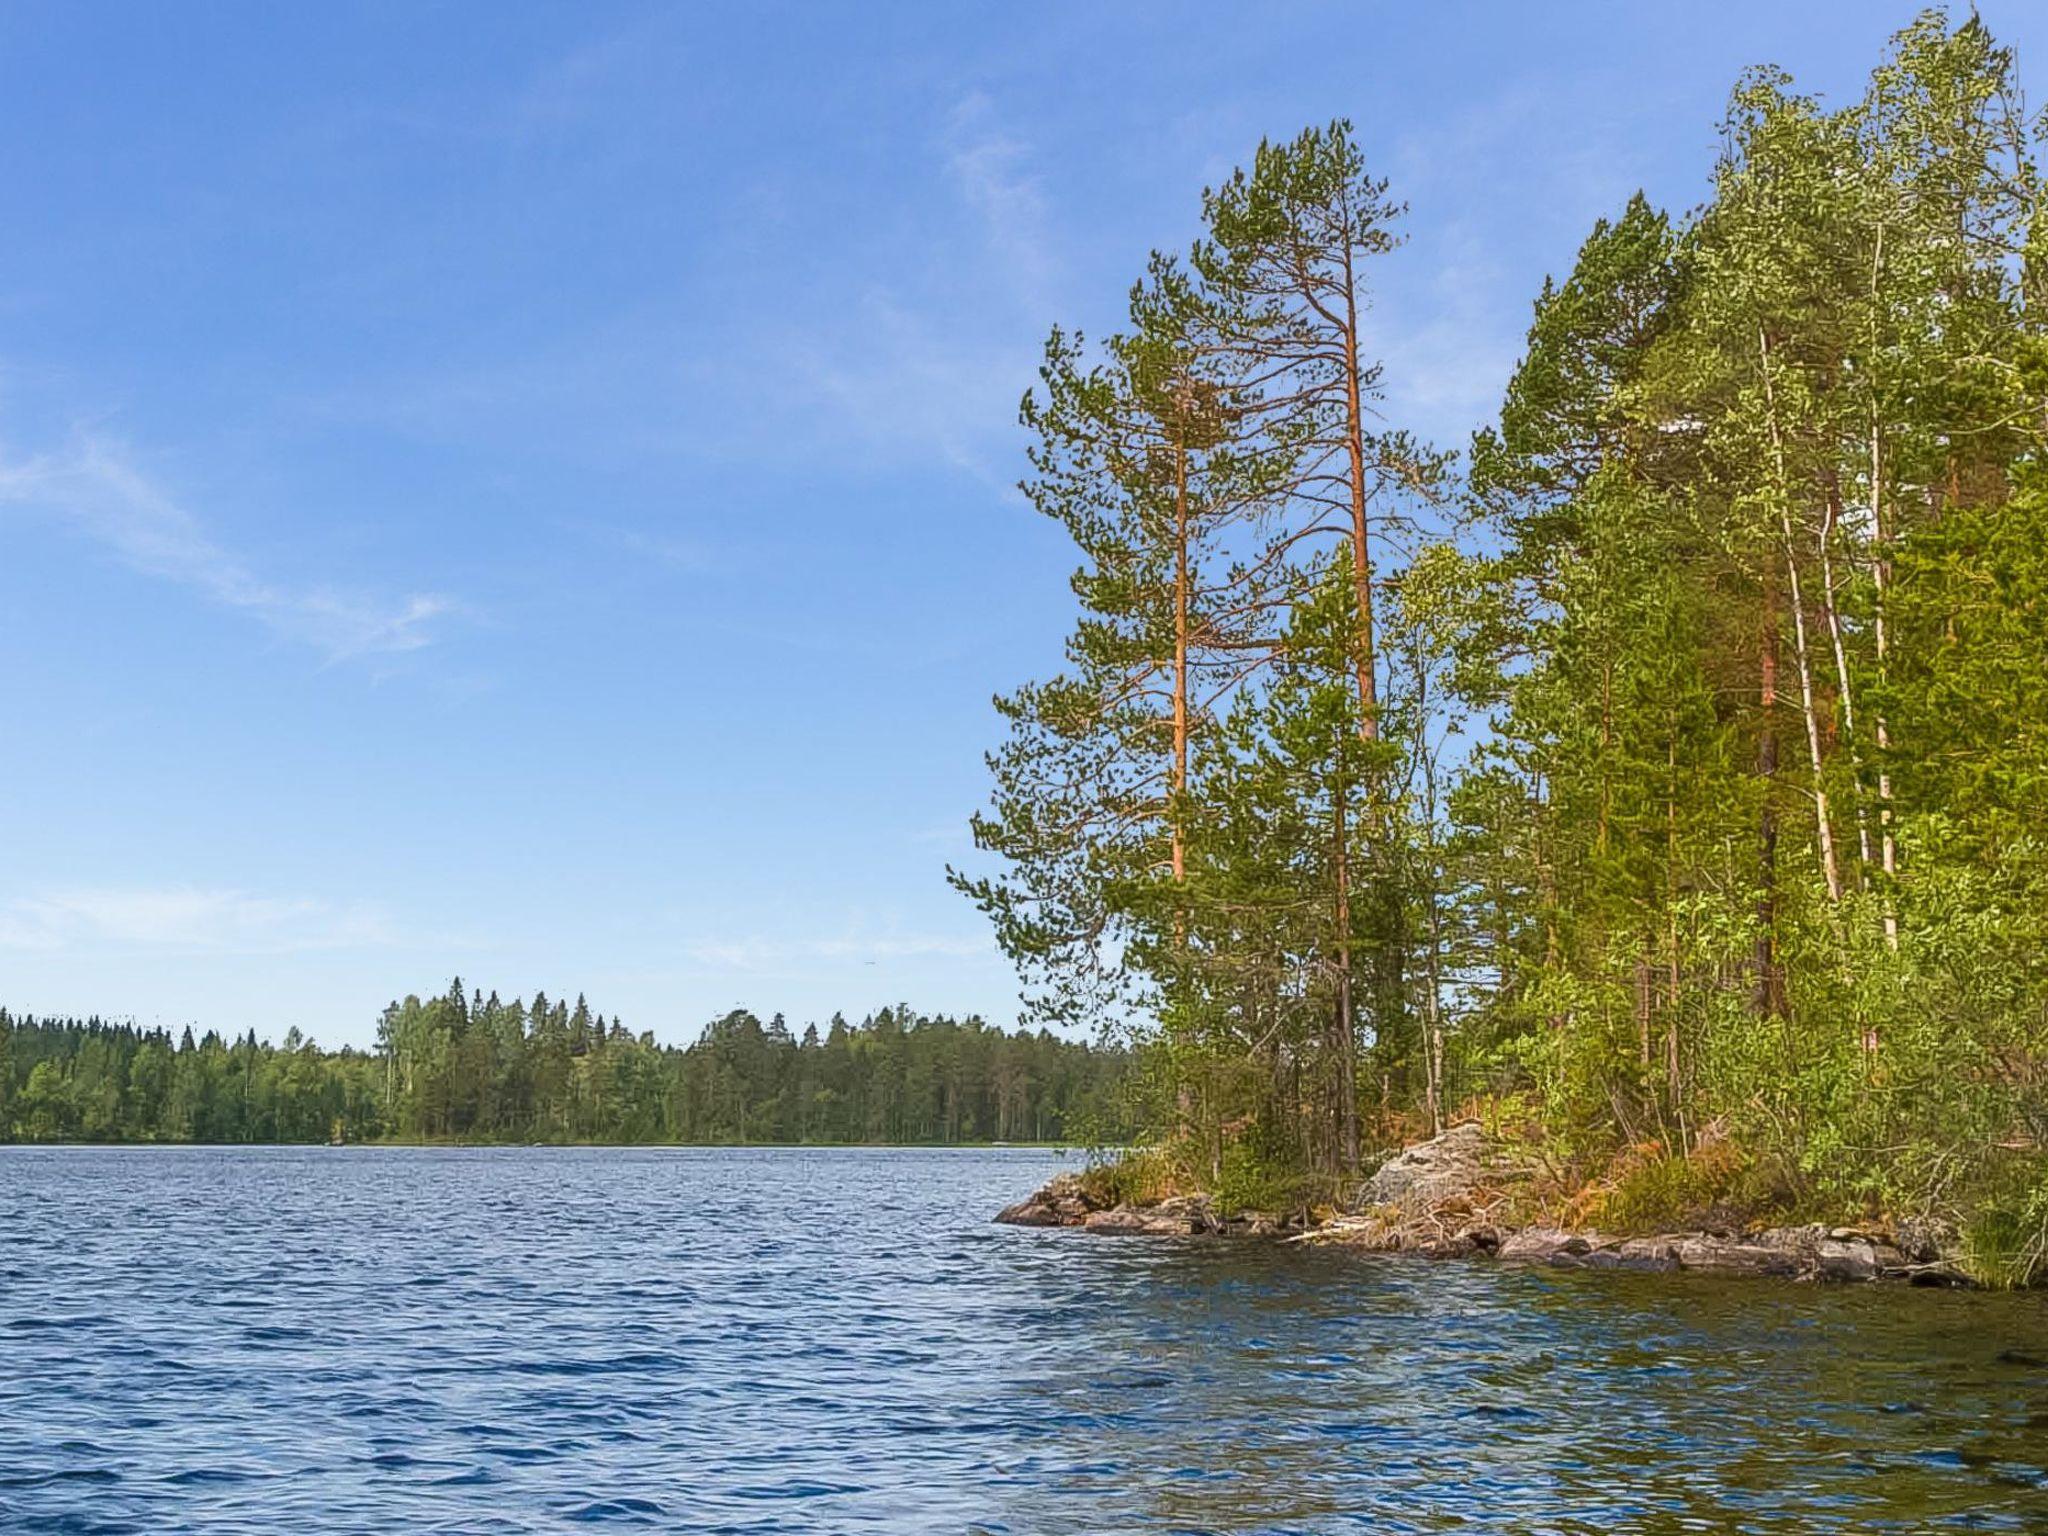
(524,490)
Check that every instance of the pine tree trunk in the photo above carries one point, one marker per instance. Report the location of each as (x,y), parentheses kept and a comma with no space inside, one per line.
(1177,771)
(1672,1076)
(1345,1043)
(1435,1044)
(1368,711)
(1177,775)
(1361,550)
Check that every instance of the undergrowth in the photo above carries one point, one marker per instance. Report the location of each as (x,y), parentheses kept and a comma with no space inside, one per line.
(2005,1239)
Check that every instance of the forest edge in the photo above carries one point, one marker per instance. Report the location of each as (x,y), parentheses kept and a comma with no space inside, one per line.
(1469,1194)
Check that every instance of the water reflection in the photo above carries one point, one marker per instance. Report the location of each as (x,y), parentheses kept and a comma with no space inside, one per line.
(1317,1392)
(826,1342)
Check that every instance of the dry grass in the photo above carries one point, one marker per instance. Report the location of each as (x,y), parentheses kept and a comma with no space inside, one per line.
(1647,1188)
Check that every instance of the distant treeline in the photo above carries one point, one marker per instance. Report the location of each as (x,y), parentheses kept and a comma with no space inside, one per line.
(468,1067)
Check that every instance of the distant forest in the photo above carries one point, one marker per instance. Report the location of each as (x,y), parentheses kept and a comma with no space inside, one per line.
(465,1067)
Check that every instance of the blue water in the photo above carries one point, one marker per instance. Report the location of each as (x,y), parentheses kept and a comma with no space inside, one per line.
(372,1340)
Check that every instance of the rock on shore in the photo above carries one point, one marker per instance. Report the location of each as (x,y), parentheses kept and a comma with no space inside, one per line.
(1067,1202)
(1794,1253)
(1449,1196)
(1064,1202)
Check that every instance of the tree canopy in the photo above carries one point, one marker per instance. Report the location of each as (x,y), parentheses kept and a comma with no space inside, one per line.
(466,1067)
(1670,784)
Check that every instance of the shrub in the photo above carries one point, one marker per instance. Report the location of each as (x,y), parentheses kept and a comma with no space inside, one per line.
(1141,1177)
(1252,1182)
(1648,1189)
(2005,1239)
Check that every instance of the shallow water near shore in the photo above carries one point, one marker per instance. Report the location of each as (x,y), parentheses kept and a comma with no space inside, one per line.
(374,1340)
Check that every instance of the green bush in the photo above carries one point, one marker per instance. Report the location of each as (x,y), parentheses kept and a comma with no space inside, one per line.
(1656,1192)
(1140,1177)
(1255,1182)
(2005,1239)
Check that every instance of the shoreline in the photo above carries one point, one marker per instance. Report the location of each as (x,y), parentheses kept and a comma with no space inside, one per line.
(388,1144)
(1439,1199)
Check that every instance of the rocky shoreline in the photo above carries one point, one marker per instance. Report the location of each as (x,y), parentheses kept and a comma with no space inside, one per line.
(1447,1198)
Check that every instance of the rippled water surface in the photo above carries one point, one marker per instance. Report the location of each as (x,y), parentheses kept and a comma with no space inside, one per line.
(792,1341)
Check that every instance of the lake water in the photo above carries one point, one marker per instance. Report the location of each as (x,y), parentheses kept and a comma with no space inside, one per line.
(373,1340)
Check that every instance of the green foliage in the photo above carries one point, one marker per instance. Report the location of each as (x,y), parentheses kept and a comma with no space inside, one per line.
(1690,791)
(477,1069)
(2005,1239)
(1656,1191)
(1143,1176)
(1256,1178)
(1767,779)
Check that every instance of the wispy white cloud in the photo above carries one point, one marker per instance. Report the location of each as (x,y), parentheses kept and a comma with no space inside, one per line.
(1446,366)
(676,551)
(565,90)
(1452,324)
(188,918)
(914,346)
(95,487)
(991,169)
(938,371)
(905,383)
(1511,135)
(770,954)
